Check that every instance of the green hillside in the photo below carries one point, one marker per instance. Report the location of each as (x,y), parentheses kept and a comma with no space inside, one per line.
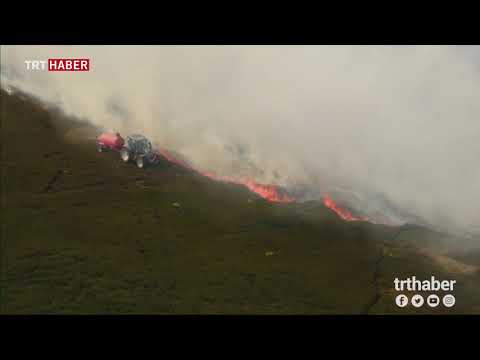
(83,232)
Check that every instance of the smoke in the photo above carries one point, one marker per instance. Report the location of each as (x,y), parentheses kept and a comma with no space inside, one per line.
(397,125)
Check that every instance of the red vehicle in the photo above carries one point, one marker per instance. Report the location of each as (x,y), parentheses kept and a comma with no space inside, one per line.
(109,141)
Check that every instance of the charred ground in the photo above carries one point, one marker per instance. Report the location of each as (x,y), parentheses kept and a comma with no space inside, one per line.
(83,232)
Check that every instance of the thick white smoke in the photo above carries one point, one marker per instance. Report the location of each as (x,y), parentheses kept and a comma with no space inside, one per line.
(402,123)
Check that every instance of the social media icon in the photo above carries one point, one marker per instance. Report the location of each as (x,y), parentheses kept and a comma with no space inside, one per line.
(449,300)
(433,300)
(417,300)
(401,300)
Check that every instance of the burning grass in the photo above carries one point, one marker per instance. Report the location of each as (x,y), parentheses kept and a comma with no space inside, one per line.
(268,192)
(96,242)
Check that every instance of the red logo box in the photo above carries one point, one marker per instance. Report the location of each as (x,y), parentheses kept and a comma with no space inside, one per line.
(68,64)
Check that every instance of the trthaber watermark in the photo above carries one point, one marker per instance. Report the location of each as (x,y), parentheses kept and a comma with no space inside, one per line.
(413,284)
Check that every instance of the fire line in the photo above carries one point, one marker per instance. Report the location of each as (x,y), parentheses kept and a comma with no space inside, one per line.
(266,191)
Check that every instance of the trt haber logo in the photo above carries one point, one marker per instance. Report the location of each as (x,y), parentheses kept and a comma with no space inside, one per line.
(68,64)
(59,64)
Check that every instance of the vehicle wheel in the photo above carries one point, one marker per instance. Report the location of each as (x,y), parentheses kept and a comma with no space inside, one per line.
(99,148)
(125,155)
(140,162)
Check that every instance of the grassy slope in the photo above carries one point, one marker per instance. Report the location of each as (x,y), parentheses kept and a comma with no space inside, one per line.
(84,233)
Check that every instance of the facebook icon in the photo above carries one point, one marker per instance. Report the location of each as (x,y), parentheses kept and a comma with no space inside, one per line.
(401,300)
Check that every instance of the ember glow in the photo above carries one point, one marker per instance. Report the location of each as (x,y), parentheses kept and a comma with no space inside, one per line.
(171,158)
(266,191)
(269,192)
(342,212)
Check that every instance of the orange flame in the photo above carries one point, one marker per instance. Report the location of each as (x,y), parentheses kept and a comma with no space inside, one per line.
(167,155)
(342,212)
(266,191)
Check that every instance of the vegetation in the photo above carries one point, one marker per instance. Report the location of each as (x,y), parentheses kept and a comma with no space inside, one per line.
(82,232)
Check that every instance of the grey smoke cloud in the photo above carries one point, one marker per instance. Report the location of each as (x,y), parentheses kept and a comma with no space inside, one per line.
(402,123)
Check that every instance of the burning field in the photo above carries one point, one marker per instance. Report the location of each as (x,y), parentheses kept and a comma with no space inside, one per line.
(284,180)
(86,233)
(268,192)
(368,131)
